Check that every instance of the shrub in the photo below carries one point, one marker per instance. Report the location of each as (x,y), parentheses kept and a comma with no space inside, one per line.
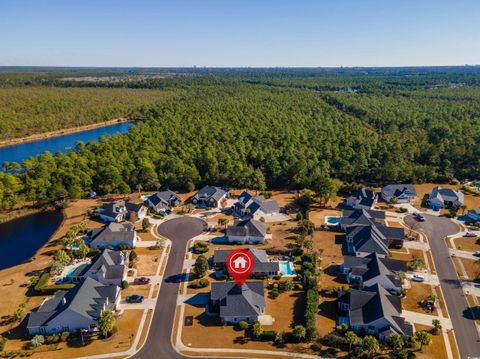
(37,341)
(310,314)
(123,247)
(133,256)
(200,247)
(274,293)
(268,335)
(42,287)
(64,336)
(202,283)
(125,284)
(403,210)
(243,325)
(316,347)
(3,341)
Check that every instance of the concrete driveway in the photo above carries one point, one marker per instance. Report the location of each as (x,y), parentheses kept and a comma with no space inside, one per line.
(436,229)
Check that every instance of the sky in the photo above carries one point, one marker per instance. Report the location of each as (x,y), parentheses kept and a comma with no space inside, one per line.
(239,33)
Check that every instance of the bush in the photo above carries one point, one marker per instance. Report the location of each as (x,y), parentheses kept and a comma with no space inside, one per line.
(125,284)
(200,247)
(316,347)
(132,256)
(37,341)
(274,292)
(202,283)
(43,288)
(123,247)
(64,336)
(403,210)
(243,325)
(3,341)
(310,314)
(268,335)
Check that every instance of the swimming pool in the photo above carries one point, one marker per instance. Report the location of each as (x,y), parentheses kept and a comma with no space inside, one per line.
(286,268)
(332,221)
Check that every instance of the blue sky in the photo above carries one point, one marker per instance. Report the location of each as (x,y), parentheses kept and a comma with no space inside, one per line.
(239,32)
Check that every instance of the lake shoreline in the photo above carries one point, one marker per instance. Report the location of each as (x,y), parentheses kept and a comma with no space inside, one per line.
(63,132)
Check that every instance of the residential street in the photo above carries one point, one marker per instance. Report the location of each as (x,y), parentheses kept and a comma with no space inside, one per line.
(436,229)
(159,340)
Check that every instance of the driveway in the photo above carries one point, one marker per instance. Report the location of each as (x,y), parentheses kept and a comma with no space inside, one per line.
(436,229)
(159,340)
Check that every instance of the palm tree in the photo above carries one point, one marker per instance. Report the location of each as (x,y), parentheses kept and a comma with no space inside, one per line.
(422,338)
(352,339)
(437,326)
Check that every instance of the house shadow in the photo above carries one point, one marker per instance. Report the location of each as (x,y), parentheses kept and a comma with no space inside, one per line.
(332,270)
(208,321)
(424,203)
(199,300)
(341,239)
(470,313)
(298,308)
(18,332)
(328,309)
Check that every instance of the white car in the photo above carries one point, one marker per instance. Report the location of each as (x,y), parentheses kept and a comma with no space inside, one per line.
(418,278)
(469,234)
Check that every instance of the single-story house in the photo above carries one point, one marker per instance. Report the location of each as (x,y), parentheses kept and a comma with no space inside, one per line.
(77,309)
(161,201)
(361,217)
(110,267)
(372,269)
(374,311)
(474,215)
(362,199)
(263,267)
(255,207)
(445,198)
(365,239)
(120,211)
(209,197)
(113,235)
(247,231)
(235,304)
(399,193)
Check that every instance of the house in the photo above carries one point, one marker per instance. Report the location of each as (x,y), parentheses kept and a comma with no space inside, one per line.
(373,269)
(110,267)
(445,198)
(374,311)
(474,215)
(234,304)
(161,201)
(209,197)
(255,207)
(262,268)
(247,231)
(120,211)
(77,309)
(361,217)
(399,193)
(113,235)
(362,199)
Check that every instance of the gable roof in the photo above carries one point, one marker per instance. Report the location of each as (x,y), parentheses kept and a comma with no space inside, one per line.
(368,239)
(112,263)
(361,216)
(373,265)
(373,303)
(113,209)
(398,190)
(211,192)
(247,228)
(365,196)
(248,300)
(163,197)
(261,262)
(114,232)
(446,195)
(87,299)
(255,203)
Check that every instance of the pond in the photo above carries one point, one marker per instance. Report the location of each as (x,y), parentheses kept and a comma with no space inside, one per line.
(20,152)
(21,238)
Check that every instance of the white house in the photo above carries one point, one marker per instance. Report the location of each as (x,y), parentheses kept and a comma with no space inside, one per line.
(113,235)
(399,193)
(255,207)
(209,197)
(445,198)
(120,211)
(474,215)
(77,309)
(247,231)
(161,201)
(362,199)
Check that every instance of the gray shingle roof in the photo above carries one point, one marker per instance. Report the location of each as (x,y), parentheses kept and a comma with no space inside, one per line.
(210,192)
(248,300)
(165,197)
(368,239)
(112,262)
(398,190)
(261,262)
(87,299)
(446,195)
(246,200)
(365,195)
(248,228)
(361,216)
(114,232)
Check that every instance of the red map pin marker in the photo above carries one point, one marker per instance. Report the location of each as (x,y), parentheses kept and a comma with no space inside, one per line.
(240,264)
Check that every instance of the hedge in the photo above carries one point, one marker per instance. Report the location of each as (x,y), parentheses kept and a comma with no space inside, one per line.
(311,313)
(42,287)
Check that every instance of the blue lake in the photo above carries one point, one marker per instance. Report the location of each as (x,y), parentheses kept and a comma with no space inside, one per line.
(20,152)
(21,238)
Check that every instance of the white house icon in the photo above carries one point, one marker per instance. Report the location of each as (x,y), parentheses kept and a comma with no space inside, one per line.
(240,262)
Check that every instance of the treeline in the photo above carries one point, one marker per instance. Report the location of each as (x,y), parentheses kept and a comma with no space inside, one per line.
(224,131)
(26,111)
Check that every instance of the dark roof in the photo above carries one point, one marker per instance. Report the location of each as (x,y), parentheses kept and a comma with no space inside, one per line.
(88,299)
(261,262)
(373,265)
(361,216)
(113,209)
(248,228)
(393,233)
(397,190)
(163,197)
(134,207)
(446,195)
(373,303)
(111,262)
(246,200)
(234,301)
(365,195)
(114,232)
(368,239)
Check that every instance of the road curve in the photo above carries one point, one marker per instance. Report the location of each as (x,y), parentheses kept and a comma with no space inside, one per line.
(158,343)
(436,229)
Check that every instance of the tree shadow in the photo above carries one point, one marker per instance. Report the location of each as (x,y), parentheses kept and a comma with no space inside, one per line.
(298,308)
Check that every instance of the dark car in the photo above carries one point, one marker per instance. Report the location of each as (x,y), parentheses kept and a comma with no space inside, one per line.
(142,280)
(420,217)
(135,298)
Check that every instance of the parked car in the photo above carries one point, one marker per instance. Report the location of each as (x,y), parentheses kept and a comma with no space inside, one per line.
(469,234)
(420,217)
(142,280)
(476,254)
(135,298)
(473,228)
(418,278)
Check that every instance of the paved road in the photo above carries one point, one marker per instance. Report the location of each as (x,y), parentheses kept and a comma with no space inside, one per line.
(159,344)
(436,229)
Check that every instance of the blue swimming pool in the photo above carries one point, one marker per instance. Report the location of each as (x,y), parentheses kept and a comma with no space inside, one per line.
(286,269)
(333,221)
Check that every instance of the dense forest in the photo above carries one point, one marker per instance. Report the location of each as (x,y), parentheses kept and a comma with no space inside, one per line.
(257,128)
